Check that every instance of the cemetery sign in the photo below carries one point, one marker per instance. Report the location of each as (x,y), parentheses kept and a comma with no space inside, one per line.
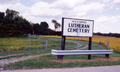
(77,27)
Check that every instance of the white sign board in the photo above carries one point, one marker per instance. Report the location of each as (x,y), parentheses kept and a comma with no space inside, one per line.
(77,27)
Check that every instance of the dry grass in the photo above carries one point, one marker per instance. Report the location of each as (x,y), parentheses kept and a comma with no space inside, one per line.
(111,59)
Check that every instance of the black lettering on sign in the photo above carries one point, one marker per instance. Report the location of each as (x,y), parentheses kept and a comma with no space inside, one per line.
(78,25)
(85,30)
(75,30)
(87,26)
(69,29)
(69,25)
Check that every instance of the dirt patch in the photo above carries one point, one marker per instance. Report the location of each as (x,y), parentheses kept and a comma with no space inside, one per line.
(12,55)
(84,60)
(13,60)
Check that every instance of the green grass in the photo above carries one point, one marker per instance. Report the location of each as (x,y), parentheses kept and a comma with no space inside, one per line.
(43,62)
(69,45)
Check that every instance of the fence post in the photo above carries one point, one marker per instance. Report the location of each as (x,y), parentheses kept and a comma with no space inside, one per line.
(77,45)
(45,45)
(80,45)
(108,45)
(30,46)
(9,47)
(39,47)
(98,46)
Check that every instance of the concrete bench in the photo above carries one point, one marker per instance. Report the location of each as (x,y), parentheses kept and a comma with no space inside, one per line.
(81,52)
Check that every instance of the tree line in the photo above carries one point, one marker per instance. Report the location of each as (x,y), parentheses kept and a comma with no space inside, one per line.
(117,35)
(13,25)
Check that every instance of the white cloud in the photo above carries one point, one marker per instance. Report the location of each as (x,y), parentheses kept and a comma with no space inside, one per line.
(98,1)
(107,20)
(9,1)
(65,4)
(116,2)
(44,9)
(47,1)
(23,10)
(117,8)
(113,4)
(106,1)
(107,24)
(90,9)
(18,7)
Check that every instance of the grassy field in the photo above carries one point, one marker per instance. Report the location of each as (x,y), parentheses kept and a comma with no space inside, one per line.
(22,45)
(49,61)
(25,44)
(114,42)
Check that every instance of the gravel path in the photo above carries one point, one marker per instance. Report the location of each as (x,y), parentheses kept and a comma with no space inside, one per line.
(79,45)
(13,60)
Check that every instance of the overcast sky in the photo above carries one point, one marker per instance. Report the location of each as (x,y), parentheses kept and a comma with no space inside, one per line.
(105,13)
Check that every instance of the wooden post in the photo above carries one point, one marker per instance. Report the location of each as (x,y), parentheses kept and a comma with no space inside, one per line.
(107,55)
(89,47)
(63,43)
(60,57)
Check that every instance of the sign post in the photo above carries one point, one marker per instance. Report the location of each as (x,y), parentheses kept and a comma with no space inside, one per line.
(60,57)
(89,46)
(76,28)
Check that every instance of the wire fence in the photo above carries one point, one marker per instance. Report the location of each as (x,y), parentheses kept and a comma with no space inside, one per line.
(28,45)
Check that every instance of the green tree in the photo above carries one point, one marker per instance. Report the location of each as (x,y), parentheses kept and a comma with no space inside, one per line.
(14,25)
(37,29)
(12,13)
(44,28)
(1,16)
(1,24)
(22,26)
(56,24)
